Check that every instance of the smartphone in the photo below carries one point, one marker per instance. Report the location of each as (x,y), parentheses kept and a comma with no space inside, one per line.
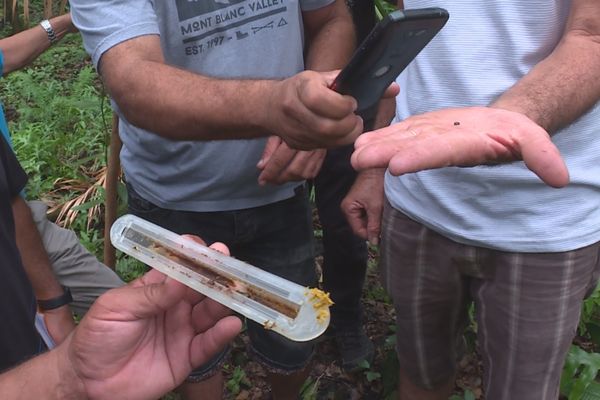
(392,44)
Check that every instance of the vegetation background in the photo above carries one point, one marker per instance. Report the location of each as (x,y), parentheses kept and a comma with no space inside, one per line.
(60,119)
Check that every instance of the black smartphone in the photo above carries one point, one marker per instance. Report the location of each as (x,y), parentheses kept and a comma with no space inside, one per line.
(392,44)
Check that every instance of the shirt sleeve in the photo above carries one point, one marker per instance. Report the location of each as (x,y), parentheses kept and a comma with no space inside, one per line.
(16,178)
(105,24)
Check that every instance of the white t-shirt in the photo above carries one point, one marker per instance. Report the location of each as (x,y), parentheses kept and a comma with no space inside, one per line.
(483,50)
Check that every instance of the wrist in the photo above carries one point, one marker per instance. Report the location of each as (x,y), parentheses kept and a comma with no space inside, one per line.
(70,385)
(372,173)
(47,304)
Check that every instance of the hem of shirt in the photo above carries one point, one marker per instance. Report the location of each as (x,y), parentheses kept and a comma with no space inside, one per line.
(533,244)
(223,204)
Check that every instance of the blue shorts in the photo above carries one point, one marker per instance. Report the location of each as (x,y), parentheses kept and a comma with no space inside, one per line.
(277,237)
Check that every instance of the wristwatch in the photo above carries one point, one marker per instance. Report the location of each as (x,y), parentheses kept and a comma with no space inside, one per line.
(51,304)
(45,24)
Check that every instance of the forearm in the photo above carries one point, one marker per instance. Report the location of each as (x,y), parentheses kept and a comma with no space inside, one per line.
(564,85)
(180,104)
(331,37)
(33,254)
(48,376)
(21,49)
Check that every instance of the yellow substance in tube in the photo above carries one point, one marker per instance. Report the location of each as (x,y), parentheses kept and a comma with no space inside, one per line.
(321,303)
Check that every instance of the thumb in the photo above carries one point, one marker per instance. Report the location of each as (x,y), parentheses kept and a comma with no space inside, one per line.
(273,143)
(543,158)
(144,301)
(205,345)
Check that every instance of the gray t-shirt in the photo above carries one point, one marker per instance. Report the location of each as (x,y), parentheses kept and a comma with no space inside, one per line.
(219,38)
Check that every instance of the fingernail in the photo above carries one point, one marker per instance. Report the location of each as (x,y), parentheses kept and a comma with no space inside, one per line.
(374,241)
(260,163)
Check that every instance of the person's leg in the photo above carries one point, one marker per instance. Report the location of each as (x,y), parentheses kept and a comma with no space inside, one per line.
(344,258)
(527,313)
(279,239)
(421,270)
(73,265)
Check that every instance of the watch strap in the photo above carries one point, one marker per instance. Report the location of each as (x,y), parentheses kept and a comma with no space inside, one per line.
(47,26)
(59,301)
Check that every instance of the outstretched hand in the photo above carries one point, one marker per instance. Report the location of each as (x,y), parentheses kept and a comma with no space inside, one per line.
(142,340)
(461,137)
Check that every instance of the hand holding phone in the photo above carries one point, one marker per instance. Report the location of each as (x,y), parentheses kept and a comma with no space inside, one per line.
(392,44)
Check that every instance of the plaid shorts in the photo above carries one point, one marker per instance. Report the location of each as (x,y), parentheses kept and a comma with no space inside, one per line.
(527,307)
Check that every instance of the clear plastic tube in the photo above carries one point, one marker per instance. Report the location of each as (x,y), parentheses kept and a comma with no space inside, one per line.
(296,312)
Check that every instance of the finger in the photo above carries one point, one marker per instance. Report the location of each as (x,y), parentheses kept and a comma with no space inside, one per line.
(150,277)
(373,155)
(391,91)
(374,224)
(276,165)
(425,153)
(330,76)
(313,166)
(139,302)
(271,146)
(543,158)
(207,312)
(194,297)
(207,344)
(355,218)
(315,94)
(299,168)
(376,148)
(195,238)
(220,247)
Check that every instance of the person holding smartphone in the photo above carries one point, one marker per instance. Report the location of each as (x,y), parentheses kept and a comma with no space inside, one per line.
(479,115)
(201,89)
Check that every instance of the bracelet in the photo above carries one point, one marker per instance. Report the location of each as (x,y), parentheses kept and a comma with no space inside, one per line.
(51,304)
(45,24)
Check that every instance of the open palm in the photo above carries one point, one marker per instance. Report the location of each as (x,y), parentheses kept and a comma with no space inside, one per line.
(461,137)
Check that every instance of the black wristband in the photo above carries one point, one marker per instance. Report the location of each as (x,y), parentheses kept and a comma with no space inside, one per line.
(51,304)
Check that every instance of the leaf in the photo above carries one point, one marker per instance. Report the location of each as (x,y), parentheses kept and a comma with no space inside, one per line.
(372,375)
(580,370)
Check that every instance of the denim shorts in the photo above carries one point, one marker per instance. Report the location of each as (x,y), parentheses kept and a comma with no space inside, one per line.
(527,307)
(277,237)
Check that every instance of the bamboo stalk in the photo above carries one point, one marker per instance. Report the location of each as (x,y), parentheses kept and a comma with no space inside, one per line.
(112,181)
(26,13)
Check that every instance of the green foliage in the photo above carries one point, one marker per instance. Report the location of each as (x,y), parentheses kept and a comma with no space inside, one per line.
(128,268)
(578,380)
(467,395)
(57,114)
(237,380)
(383,8)
(589,324)
(309,389)
(59,127)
